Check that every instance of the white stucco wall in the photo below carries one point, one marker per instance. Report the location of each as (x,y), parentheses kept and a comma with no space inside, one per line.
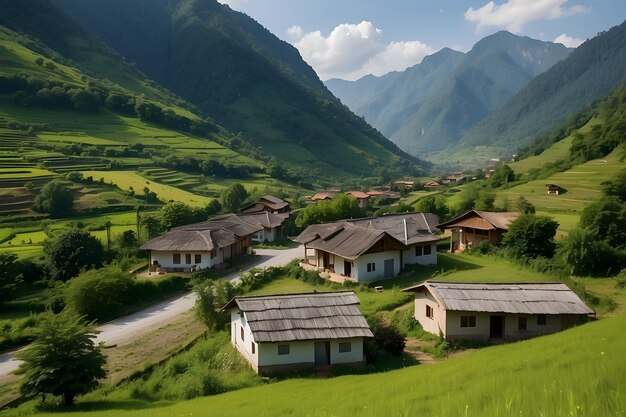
(267,234)
(244,346)
(432,325)
(299,352)
(166,259)
(408,256)
(355,355)
(359,269)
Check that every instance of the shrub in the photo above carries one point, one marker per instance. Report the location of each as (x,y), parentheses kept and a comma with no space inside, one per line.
(387,336)
(531,236)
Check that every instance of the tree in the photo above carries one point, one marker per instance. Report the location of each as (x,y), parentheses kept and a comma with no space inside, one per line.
(211,297)
(586,254)
(152,224)
(502,175)
(607,218)
(71,252)
(433,204)
(233,197)
(341,207)
(54,198)
(531,236)
(176,213)
(63,360)
(213,207)
(616,186)
(9,276)
(127,242)
(524,206)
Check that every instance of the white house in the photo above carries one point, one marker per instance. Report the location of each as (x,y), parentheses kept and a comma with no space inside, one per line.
(372,248)
(283,332)
(202,245)
(271,224)
(492,311)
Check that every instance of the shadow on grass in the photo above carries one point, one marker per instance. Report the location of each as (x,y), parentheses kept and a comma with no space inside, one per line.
(446,263)
(105,405)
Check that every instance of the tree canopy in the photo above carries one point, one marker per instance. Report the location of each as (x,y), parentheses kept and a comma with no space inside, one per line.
(531,236)
(63,360)
(340,207)
(71,252)
(233,197)
(55,198)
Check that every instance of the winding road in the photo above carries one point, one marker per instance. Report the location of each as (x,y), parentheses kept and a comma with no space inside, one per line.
(134,325)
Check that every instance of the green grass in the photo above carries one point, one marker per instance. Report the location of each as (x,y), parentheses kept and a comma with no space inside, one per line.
(579,372)
(559,150)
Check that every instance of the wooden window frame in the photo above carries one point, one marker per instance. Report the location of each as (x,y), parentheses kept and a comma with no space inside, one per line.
(242,334)
(187,259)
(283,349)
(468,321)
(419,251)
(197,258)
(345,347)
(542,320)
(371,267)
(428,250)
(253,347)
(430,312)
(176,259)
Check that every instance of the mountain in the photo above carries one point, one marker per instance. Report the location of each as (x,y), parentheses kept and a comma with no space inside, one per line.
(592,70)
(430,106)
(242,76)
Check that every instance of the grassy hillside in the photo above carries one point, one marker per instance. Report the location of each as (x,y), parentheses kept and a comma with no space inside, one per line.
(579,372)
(591,71)
(244,77)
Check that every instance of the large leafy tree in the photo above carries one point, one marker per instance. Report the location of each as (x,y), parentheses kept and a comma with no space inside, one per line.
(341,207)
(176,213)
(233,197)
(152,224)
(607,218)
(9,276)
(585,253)
(71,252)
(55,198)
(63,360)
(211,296)
(531,236)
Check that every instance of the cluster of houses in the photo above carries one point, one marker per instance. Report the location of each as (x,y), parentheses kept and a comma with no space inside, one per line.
(283,332)
(362,197)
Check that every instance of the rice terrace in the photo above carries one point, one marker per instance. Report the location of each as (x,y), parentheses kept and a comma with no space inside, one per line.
(273,208)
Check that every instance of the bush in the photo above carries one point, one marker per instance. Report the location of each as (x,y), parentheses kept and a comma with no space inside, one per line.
(387,336)
(531,236)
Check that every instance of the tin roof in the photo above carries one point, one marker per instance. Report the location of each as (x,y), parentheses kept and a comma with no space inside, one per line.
(299,317)
(519,298)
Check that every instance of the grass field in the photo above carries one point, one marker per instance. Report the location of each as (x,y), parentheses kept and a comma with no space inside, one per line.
(579,372)
(559,150)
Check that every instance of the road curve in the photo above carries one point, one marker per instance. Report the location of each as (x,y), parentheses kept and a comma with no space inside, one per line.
(136,324)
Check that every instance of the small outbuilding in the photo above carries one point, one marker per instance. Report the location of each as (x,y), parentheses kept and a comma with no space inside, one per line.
(277,333)
(553,189)
(471,228)
(492,311)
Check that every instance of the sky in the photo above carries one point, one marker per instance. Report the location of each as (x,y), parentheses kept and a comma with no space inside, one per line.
(349,39)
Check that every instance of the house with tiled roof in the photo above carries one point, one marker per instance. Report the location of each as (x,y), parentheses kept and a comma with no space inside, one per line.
(471,228)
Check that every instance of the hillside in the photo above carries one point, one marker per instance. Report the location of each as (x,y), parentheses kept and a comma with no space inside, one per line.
(591,71)
(563,380)
(242,76)
(430,106)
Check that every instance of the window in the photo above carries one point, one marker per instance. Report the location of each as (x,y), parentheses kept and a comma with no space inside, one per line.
(197,259)
(283,349)
(429,311)
(428,250)
(541,320)
(188,258)
(176,259)
(371,267)
(468,321)
(418,251)
(253,347)
(241,333)
(479,232)
(345,347)
(522,324)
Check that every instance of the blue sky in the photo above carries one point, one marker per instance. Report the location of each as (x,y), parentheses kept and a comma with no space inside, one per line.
(351,38)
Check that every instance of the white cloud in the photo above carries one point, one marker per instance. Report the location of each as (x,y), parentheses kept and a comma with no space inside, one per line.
(567,41)
(234,4)
(514,14)
(351,51)
(295,32)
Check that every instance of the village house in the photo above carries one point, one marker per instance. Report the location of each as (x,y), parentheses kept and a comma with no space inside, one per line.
(371,248)
(278,333)
(432,185)
(471,228)
(490,311)
(553,189)
(270,204)
(210,243)
(406,184)
(455,178)
(361,197)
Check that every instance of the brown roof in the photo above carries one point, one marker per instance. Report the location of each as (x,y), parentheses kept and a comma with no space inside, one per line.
(295,317)
(265,202)
(322,196)
(351,238)
(358,194)
(264,218)
(482,220)
(519,298)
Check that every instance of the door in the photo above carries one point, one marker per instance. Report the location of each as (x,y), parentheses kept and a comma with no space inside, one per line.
(389,268)
(322,353)
(325,259)
(347,268)
(496,327)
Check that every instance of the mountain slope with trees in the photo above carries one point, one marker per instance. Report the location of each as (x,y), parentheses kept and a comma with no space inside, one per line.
(591,71)
(430,106)
(242,76)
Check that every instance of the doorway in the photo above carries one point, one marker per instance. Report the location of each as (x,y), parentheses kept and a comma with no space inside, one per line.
(322,353)
(389,268)
(347,268)
(496,327)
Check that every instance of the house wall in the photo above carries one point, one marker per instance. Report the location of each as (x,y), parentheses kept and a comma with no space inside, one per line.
(166,259)
(554,323)
(433,325)
(238,321)
(359,269)
(408,256)
(267,234)
(466,238)
(356,355)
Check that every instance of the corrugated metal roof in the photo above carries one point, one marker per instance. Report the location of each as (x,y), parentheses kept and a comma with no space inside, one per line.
(296,317)
(490,220)
(520,298)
